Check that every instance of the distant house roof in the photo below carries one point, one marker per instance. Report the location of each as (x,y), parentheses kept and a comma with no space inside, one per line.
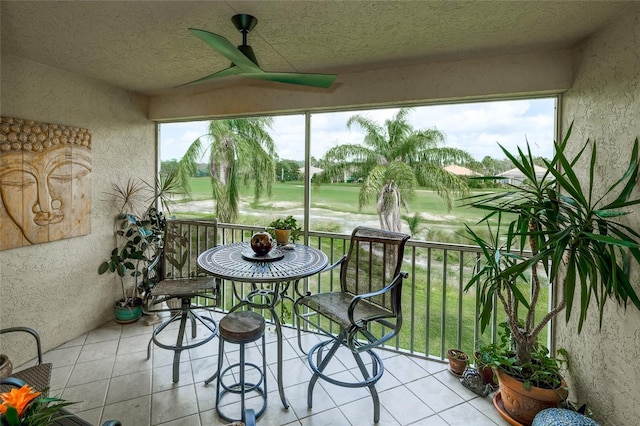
(518,175)
(312,170)
(460,171)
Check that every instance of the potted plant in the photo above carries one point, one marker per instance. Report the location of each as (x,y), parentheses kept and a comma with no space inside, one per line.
(484,357)
(573,236)
(138,238)
(457,361)
(285,230)
(26,406)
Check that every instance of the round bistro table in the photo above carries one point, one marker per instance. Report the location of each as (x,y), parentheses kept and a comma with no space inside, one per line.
(235,262)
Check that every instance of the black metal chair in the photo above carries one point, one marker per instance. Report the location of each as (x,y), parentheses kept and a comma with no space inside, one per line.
(37,376)
(166,282)
(366,310)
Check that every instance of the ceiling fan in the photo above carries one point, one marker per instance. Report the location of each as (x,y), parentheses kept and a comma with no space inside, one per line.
(244,62)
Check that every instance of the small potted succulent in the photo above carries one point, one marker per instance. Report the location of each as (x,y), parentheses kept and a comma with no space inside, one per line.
(457,361)
(285,230)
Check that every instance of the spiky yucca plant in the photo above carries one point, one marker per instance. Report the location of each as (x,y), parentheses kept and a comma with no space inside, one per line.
(574,237)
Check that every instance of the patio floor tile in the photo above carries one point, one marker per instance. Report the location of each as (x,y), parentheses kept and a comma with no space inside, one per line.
(107,371)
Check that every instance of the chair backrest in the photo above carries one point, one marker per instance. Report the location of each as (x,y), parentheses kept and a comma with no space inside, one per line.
(184,240)
(176,251)
(374,259)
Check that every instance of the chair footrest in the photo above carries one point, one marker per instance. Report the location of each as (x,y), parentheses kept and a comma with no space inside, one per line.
(375,372)
(179,345)
(237,386)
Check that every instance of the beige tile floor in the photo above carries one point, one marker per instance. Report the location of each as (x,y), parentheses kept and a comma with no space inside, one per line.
(107,371)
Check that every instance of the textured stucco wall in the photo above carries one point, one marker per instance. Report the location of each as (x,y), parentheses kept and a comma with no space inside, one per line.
(605,105)
(55,287)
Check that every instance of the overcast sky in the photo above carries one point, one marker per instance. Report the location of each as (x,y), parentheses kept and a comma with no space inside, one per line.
(475,127)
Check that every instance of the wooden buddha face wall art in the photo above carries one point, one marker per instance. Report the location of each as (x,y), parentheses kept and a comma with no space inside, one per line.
(45,182)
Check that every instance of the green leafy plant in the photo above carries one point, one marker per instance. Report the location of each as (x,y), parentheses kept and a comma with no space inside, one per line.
(138,230)
(542,371)
(288,222)
(414,223)
(485,355)
(568,233)
(26,407)
(140,241)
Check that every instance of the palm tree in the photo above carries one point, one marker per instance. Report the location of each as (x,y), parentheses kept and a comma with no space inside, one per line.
(394,159)
(240,150)
(414,224)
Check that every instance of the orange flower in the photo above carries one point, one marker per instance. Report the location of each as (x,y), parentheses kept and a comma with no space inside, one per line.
(18,399)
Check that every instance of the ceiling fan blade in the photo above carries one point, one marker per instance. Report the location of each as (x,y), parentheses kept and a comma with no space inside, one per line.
(227,50)
(233,70)
(316,80)
(244,62)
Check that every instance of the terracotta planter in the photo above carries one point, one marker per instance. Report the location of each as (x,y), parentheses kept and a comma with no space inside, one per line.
(523,405)
(282,236)
(486,372)
(457,361)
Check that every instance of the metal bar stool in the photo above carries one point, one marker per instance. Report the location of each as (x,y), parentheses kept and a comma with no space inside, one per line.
(183,315)
(166,282)
(241,327)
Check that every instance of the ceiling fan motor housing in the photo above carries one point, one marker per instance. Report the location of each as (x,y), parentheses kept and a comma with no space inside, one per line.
(244,23)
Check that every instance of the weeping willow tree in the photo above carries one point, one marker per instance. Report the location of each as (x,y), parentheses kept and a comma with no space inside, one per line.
(241,151)
(393,159)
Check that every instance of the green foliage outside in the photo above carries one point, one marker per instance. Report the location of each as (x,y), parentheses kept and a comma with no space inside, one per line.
(240,151)
(391,162)
(288,170)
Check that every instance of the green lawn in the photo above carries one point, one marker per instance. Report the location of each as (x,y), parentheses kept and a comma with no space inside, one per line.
(437,223)
(340,196)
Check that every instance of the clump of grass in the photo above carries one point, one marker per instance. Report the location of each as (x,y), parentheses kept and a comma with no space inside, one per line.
(327,227)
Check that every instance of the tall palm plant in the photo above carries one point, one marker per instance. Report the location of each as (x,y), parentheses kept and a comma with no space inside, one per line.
(393,159)
(240,151)
(575,236)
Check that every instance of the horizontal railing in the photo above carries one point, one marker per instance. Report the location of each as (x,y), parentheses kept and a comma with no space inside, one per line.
(437,313)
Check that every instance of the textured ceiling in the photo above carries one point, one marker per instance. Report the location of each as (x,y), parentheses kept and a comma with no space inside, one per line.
(145,46)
